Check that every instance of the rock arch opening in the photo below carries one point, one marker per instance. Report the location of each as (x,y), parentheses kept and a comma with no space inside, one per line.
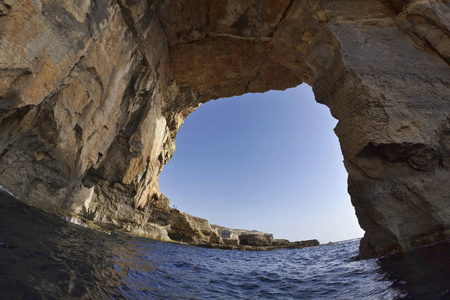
(92,97)
(269,162)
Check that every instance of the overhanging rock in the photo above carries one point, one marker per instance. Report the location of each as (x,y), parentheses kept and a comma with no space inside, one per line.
(92,96)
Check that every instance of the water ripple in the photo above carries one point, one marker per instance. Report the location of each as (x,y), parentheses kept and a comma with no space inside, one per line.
(43,257)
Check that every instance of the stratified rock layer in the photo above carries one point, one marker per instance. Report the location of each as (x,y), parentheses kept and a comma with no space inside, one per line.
(92,94)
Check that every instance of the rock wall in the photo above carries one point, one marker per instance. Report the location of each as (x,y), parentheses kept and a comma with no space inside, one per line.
(92,94)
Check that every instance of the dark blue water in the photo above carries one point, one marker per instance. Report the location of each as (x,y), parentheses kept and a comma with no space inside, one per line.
(44,257)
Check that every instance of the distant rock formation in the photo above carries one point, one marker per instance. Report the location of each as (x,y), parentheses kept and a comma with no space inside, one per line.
(92,94)
(190,229)
(233,236)
(280,242)
(256,239)
(199,232)
(307,243)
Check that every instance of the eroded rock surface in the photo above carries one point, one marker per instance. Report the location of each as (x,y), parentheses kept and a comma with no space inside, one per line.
(190,229)
(92,94)
(256,239)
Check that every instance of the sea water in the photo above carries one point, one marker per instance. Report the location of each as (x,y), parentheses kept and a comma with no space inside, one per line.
(45,257)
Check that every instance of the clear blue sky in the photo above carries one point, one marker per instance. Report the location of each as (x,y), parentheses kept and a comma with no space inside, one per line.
(269,162)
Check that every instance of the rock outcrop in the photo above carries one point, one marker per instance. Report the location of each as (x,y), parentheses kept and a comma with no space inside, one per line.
(307,243)
(196,231)
(280,242)
(256,239)
(92,94)
(190,229)
(233,236)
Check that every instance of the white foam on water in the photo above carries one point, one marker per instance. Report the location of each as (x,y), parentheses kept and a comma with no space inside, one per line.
(8,192)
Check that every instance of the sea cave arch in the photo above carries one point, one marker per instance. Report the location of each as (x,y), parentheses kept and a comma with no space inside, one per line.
(92,97)
(267,161)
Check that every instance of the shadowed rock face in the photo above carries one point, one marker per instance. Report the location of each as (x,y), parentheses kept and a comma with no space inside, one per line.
(92,94)
(256,239)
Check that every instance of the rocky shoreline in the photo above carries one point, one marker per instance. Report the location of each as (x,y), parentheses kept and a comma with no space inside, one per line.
(274,246)
(185,229)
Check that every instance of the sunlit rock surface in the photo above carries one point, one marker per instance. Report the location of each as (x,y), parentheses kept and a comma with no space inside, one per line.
(92,94)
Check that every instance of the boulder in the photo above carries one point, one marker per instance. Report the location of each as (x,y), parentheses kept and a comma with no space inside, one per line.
(310,243)
(187,228)
(307,243)
(256,239)
(280,242)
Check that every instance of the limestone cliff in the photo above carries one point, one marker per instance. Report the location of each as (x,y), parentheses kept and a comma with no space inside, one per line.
(92,94)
